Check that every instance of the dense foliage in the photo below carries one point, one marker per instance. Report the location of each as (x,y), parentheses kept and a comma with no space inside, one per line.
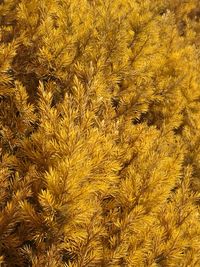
(99,133)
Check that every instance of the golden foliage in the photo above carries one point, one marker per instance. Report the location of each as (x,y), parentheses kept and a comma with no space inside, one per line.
(99,133)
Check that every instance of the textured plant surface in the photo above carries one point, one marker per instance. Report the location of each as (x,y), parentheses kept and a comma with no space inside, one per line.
(99,133)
